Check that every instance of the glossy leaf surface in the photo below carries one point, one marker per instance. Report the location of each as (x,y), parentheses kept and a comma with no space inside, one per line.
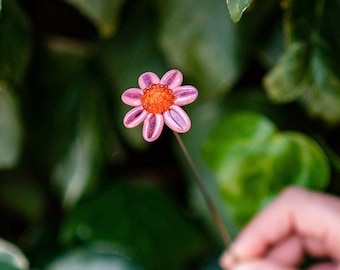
(237,7)
(73,152)
(202,42)
(253,161)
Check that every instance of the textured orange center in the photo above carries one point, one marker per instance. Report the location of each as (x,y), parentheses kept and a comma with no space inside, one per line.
(157,98)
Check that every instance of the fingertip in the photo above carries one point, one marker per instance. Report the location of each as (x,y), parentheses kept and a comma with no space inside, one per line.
(228,259)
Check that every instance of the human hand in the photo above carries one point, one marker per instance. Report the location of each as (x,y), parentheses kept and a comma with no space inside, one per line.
(296,224)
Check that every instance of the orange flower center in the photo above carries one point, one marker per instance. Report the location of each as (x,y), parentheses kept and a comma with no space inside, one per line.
(157,98)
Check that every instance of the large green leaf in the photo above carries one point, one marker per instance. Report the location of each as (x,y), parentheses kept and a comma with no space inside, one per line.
(11,257)
(123,62)
(94,257)
(200,39)
(15,42)
(253,162)
(10,127)
(70,119)
(77,170)
(103,13)
(308,70)
(140,219)
(237,7)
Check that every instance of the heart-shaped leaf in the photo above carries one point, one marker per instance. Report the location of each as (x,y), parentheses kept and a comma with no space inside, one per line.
(253,161)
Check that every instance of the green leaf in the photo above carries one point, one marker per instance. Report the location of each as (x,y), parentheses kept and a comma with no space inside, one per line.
(77,170)
(10,128)
(11,257)
(202,41)
(287,81)
(70,129)
(308,71)
(250,134)
(96,256)
(103,13)
(140,219)
(253,162)
(15,43)
(123,69)
(237,8)
(323,96)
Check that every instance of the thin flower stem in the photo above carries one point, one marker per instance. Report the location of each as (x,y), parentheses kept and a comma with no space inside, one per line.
(212,208)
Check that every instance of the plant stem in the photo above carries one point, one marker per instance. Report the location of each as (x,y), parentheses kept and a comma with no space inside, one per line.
(212,208)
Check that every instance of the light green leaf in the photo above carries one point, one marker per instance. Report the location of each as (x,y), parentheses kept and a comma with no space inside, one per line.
(96,256)
(140,219)
(253,162)
(103,13)
(15,42)
(11,257)
(237,8)
(10,128)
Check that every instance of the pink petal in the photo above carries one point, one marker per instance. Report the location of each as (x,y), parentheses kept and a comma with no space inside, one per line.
(153,126)
(185,94)
(146,79)
(177,119)
(134,117)
(172,78)
(132,96)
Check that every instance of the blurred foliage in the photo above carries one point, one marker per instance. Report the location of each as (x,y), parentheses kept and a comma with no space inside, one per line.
(250,156)
(11,258)
(80,191)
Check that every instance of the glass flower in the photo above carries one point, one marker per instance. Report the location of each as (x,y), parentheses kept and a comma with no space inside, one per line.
(159,101)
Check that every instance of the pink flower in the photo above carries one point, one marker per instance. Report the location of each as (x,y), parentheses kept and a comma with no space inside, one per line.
(158,101)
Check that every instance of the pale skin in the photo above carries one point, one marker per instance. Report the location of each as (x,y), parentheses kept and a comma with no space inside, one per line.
(298,223)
